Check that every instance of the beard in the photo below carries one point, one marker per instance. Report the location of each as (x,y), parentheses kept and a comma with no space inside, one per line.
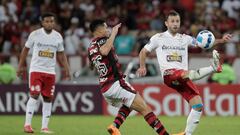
(49,30)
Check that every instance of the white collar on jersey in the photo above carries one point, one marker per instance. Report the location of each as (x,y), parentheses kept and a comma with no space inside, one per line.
(168,33)
(46,32)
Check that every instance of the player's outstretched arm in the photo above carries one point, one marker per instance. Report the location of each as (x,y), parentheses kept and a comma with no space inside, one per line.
(63,60)
(105,49)
(22,59)
(142,58)
(224,39)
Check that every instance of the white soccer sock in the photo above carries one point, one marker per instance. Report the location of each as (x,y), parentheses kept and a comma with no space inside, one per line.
(192,121)
(30,110)
(46,113)
(200,73)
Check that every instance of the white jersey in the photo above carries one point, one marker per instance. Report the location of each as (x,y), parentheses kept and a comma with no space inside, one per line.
(172,51)
(44,46)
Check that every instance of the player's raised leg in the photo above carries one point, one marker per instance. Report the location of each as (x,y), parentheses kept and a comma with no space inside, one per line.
(202,72)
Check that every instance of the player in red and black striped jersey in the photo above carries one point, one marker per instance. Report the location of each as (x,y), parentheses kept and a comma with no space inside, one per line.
(108,67)
(114,88)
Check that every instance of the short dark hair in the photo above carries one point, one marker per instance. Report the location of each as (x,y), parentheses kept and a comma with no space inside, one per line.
(96,23)
(47,14)
(172,13)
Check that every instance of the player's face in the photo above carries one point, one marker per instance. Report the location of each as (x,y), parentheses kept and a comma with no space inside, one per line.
(103,30)
(48,23)
(173,24)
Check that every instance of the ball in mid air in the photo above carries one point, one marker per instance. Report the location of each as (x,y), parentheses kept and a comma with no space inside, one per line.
(205,39)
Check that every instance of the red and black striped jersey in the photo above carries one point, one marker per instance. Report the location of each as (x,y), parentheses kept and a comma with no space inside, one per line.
(108,67)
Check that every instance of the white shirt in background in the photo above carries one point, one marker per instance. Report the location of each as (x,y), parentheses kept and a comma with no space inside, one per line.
(44,46)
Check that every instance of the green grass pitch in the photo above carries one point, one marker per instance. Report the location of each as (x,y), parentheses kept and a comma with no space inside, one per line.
(96,125)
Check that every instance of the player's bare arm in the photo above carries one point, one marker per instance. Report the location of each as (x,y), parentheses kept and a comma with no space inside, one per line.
(63,60)
(105,49)
(23,56)
(224,39)
(142,58)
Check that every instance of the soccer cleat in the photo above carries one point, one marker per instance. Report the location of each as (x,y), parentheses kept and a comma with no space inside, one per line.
(113,130)
(28,129)
(216,62)
(182,133)
(46,131)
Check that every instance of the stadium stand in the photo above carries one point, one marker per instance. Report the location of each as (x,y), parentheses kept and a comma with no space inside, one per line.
(19,17)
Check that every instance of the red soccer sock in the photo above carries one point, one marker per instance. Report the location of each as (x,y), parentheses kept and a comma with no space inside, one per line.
(121,116)
(155,123)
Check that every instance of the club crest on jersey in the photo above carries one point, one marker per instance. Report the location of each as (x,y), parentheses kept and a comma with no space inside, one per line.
(46,53)
(174,57)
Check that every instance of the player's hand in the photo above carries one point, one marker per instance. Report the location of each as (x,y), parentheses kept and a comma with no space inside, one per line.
(115,28)
(20,71)
(226,38)
(141,71)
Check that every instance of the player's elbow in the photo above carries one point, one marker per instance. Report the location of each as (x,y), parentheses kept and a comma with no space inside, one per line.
(143,52)
(104,51)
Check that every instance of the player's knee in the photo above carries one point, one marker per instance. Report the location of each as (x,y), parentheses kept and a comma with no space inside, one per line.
(198,107)
(184,75)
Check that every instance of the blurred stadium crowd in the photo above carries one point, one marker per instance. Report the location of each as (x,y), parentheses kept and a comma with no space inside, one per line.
(140,18)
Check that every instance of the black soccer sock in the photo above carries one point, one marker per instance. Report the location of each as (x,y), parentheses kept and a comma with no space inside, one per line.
(155,123)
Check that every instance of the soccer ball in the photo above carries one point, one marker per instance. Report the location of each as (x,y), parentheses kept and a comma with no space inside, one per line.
(205,39)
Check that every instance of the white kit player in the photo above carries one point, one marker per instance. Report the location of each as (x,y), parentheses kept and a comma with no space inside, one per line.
(172,54)
(47,45)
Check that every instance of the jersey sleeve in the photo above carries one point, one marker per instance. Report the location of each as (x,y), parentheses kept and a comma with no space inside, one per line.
(192,41)
(151,45)
(30,41)
(60,44)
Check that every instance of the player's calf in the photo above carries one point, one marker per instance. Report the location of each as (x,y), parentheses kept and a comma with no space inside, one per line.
(123,113)
(193,119)
(140,106)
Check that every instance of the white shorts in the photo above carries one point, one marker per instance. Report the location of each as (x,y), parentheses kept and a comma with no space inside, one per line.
(117,95)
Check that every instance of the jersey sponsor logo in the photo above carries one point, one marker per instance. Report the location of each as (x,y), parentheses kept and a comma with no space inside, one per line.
(46,45)
(174,57)
(46,53)
(168,47)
